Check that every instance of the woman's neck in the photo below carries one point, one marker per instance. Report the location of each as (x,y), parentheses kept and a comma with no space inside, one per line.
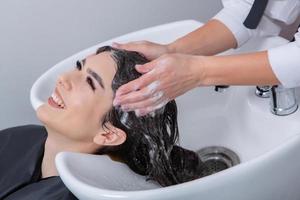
(56,143)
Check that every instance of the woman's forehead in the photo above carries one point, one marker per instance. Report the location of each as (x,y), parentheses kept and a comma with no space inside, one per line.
(103,64)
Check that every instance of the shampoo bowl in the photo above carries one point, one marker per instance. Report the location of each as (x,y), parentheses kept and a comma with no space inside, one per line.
(268,146)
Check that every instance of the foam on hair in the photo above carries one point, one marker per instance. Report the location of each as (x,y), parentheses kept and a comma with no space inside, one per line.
(151,146)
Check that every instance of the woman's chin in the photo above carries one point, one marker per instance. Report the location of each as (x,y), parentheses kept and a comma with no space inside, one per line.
(46,114)
(48,118)
(53,119)
(41,114)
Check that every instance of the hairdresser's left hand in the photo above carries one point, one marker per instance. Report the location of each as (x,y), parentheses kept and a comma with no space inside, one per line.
(163,79)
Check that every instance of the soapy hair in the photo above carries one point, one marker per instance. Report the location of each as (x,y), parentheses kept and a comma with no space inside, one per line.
(151,146)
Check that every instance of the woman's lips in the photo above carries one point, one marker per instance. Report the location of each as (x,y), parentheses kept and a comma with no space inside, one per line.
(56,100)
(52,103)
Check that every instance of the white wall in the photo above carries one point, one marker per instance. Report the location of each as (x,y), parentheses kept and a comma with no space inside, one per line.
(37,34)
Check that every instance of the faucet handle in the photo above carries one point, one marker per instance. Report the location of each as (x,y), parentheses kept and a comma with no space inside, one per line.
(221,88)
(263,91)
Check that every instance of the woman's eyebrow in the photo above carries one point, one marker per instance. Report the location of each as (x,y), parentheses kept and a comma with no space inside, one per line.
(96,76)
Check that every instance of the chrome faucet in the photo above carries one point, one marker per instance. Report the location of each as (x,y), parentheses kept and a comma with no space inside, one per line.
(283,101)
(221,88)
(263,91)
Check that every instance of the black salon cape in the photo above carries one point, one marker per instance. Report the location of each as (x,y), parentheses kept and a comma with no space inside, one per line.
(21,154)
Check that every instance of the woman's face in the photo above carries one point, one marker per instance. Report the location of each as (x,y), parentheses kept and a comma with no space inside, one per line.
(81,99)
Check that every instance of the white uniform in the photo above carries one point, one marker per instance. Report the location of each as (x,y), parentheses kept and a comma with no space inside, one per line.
(285,60)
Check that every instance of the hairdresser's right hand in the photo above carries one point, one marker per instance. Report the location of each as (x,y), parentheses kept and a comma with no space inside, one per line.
(149,49)
(163,79)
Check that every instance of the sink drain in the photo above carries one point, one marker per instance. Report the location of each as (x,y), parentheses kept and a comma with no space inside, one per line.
(218,158)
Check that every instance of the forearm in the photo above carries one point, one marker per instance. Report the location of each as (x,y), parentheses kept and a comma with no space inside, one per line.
(245,69)
(212,38)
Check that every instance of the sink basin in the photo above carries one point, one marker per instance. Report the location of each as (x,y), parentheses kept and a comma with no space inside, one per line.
(268,146)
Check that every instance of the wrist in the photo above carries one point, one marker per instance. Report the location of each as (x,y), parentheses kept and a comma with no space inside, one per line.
(171,48)
(198,69)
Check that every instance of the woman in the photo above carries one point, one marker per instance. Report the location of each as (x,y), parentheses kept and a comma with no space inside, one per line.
(188,62)
(79,117)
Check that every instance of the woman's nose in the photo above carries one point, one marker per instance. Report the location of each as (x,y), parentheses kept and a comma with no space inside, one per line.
(63,81)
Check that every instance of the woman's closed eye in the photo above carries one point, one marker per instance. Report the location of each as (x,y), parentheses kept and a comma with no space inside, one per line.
(89,80)
(78,65)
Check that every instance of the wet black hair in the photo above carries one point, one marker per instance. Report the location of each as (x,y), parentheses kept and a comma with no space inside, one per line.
(151,146)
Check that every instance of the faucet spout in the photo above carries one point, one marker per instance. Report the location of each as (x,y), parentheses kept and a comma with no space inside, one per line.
(283,100)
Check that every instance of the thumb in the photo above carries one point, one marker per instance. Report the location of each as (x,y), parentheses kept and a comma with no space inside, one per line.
(125,46)
(117,45)
(145,68)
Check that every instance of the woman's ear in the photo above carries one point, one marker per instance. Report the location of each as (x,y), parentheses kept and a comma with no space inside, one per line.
(111,137)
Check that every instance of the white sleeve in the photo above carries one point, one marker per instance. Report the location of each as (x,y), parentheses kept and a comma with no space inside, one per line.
(232,16)
(285,63)
(235,12)
(284,60)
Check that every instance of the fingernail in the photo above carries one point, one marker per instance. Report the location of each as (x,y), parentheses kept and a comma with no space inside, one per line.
(116,102)
(138,66)
(140,113)
(125,108)
(118,93)
(137,113)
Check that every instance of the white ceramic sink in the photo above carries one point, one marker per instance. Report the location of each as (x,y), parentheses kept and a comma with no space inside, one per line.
(268,145)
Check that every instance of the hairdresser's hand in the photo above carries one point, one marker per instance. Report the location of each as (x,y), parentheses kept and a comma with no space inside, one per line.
(149,49)
(163,79)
